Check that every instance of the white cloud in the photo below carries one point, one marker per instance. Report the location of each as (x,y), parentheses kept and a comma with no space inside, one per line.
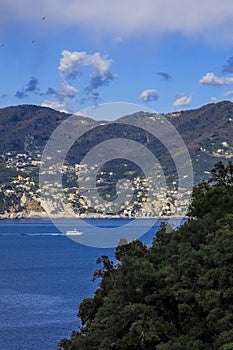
(66,90)
(213,99)
(211,79)
(149,95)
(182,101)
(72,63)
(70,69)
(61,107)
(62,98)
(127,17)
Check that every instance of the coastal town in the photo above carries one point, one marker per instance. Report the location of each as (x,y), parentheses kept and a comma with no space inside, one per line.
(20,196)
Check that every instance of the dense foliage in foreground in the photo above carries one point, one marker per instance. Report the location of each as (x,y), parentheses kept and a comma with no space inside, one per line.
(176,294)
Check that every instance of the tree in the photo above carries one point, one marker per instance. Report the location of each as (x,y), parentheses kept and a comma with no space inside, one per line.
(215,197)
(222,175)
(176,294)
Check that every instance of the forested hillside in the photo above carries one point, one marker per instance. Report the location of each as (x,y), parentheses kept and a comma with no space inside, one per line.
(206,131)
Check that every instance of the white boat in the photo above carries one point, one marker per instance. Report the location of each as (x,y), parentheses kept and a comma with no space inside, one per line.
(74,232)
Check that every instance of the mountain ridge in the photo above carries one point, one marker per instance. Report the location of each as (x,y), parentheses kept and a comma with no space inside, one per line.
(206,131)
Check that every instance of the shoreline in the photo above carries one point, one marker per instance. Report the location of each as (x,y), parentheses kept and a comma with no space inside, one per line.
(44,216)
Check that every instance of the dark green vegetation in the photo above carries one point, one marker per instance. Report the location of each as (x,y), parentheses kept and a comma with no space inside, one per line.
(27,128)
(176,294)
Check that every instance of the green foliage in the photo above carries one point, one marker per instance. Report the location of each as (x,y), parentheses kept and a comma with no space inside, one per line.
(176,294)
(222,175)
(215,197)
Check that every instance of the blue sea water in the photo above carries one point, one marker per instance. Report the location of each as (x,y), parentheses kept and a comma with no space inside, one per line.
(43,277)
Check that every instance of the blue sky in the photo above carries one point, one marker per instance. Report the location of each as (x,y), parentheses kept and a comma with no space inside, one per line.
(167,55)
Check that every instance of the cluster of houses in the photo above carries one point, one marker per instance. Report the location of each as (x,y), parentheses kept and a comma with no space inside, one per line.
(133,196)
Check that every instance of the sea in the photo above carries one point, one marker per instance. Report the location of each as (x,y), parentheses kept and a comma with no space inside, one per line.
(44,275)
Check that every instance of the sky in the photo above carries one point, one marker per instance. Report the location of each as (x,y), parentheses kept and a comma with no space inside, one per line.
(167,55)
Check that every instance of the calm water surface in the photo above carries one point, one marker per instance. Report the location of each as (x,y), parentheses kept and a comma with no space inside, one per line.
(43,278)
